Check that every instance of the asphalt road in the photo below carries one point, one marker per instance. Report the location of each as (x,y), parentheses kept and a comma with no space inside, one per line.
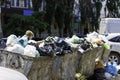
(118,77)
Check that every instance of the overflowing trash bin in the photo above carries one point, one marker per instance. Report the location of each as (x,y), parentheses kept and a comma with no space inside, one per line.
(55,58)
(53,68)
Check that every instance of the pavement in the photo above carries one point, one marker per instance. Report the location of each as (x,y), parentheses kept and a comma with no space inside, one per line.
(118,77)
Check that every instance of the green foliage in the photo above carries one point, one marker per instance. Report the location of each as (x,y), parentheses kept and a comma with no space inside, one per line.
(50,11)
(36,4)
(113,8)
(61,12)
(39,15)
(39,22)
(1,2)
(90,13)
(18,24)
(98,8)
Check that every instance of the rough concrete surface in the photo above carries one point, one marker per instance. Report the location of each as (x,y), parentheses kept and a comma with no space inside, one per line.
(54,68)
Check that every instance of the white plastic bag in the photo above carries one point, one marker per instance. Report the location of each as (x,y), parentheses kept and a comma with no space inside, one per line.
(23,41)
(75,39)
(11,40)
(16,49)
(108,76)
(30,50)
(70,42)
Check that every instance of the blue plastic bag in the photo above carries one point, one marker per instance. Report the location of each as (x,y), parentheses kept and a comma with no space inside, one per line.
(23,41)
(112,68)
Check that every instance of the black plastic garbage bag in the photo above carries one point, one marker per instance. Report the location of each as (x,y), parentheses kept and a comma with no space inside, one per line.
(85,44)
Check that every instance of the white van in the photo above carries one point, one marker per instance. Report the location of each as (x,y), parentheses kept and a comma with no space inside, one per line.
(109,25)
(111,28)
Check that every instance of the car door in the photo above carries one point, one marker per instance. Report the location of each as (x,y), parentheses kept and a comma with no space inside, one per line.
(115,43)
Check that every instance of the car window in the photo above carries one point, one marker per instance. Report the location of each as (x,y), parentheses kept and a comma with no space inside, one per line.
(115,39)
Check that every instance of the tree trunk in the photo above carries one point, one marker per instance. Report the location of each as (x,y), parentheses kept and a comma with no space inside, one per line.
(69,17)
(60,15)
(36,4)
(1,33)
(50,12)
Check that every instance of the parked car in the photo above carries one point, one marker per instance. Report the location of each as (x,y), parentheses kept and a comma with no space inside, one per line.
(114,41)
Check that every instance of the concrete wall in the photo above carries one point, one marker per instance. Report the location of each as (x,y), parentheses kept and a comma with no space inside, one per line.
(54,68)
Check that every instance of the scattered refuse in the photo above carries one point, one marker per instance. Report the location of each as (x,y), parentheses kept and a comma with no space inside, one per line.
(111,70)
(52,46)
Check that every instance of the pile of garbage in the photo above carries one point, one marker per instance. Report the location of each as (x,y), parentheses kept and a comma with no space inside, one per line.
(106,71)
(52,46)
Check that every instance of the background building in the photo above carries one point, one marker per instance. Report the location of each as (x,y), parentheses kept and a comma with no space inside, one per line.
(10,7)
